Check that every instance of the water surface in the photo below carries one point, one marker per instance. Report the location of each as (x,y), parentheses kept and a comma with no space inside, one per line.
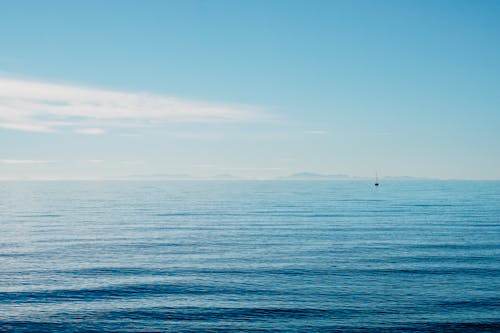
(250,256)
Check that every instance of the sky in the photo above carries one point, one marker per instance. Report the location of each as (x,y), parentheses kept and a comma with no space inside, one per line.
(254,89)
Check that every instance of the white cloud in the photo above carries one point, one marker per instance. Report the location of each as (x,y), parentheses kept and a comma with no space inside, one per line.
(90,131)
(25,126)
(46,107)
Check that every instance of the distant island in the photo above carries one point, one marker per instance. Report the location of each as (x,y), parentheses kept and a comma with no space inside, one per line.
(316,176)
(161,176)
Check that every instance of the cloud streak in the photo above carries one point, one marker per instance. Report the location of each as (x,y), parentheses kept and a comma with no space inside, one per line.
(24,162)
(90,131)
(46,107)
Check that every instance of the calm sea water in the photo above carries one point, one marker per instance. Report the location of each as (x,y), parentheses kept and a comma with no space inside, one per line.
(250,256)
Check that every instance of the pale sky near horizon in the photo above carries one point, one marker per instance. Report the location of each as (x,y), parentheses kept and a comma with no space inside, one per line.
(258,89)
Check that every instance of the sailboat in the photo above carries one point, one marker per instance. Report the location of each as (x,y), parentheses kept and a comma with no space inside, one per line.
(376,180)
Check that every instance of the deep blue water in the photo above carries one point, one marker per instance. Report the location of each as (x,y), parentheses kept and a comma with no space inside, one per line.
(263,256)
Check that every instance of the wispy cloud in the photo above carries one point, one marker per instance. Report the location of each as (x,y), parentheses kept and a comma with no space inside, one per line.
(9,161)
(46,107)
(90,131)
(23,126)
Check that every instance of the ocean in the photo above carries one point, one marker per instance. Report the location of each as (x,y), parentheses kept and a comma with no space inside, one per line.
(249,256)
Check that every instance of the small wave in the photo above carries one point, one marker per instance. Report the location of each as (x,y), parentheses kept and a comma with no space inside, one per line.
(229,320)
(126,291)
(455,271)
(486,304)
(448,327)
(429,205)
(188,214)
(40,215)
(233,314)
(452,246)
(14,255)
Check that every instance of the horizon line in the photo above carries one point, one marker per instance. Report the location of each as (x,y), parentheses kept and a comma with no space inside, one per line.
(279,178)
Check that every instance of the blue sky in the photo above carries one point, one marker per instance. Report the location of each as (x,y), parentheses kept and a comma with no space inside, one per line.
(256,89)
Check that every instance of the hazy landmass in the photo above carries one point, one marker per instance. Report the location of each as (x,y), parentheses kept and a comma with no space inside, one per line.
(314,176)
(160,176)
(405,178)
